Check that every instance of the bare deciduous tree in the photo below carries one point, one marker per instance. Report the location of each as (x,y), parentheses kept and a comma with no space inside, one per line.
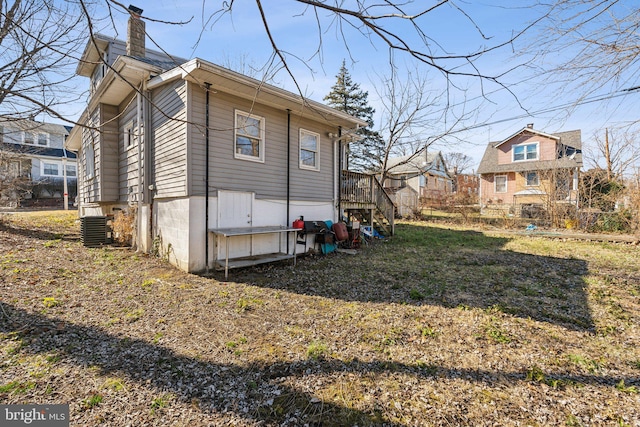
(40,40)
(412,116)
(598,43)
(457,163)
(616,151)
(400,27)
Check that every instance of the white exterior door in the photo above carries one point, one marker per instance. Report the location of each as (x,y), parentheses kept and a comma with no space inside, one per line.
(235,209)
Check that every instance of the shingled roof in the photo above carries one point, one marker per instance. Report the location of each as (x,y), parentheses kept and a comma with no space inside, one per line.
(571,147)
(418,162)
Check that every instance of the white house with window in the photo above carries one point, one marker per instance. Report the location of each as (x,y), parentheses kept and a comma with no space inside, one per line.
(35,164)
(421,177)
(528,169)
(199,149)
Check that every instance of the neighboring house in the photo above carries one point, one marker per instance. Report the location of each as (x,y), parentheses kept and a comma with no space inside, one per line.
(418,178)
(530,172)
(466,183)
(198,148)
(34,164)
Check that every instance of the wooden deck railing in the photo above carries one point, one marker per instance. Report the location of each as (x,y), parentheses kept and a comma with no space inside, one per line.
(366,190)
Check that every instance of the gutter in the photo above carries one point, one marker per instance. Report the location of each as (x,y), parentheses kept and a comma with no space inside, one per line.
(188,73)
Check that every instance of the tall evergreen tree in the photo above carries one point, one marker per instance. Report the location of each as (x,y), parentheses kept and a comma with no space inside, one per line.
(365,154)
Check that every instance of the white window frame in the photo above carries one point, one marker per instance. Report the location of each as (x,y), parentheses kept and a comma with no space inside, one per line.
(129,135)
(99,72)
(306,133)
(238,133)
(43,168)
(524,146)
(33,138)
(73,169)
(90,161)
(37,139)
(495,184)
(528,182)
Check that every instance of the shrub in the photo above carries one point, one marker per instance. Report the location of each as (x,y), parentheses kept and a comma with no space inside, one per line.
(124,226)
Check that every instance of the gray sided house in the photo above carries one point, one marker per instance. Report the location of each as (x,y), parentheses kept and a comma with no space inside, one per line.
(193,148)
(34,163)
(417,178)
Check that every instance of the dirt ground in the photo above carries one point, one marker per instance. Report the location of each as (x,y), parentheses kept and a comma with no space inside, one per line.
(437,326)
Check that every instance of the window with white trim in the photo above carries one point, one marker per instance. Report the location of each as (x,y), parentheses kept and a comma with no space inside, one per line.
(249,137)
(71,171)
(89,161)
(532,179)
(500,183)
(49,169)
(309,150)
(528,151)
(99,72)
(43,139)
(129,136)
(27,138)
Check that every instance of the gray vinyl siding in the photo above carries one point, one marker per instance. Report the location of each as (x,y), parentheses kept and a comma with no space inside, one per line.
(268,179)
(309,184)
(103,186)
(89,191)
(169,140)
(107,154)
(128,156)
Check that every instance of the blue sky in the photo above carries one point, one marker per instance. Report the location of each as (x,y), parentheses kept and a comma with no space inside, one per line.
(315,57)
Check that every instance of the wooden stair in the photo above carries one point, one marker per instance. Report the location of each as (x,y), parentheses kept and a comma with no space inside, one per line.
(363,198)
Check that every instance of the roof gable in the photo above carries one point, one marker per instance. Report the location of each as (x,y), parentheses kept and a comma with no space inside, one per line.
(529,130)
(419,161)
(567,158)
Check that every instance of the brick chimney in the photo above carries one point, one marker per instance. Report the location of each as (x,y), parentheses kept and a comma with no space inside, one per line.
(135,33)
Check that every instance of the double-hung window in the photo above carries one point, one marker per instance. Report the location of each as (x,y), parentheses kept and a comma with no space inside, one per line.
(249,137)
(71,170)
(309,150)
(43,139)
(527,151)
(27,138)
(500,184)
(532,179)
(49,169)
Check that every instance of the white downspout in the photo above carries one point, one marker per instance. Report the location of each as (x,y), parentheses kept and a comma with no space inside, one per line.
(65,190)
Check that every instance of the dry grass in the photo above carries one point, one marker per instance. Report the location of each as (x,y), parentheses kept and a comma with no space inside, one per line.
(435,327)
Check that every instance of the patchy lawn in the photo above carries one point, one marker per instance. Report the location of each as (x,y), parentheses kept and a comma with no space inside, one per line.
(435,327)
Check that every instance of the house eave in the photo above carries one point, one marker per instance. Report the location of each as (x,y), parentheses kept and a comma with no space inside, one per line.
(199,71)
(526,129)
(125,75)
(91,55)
